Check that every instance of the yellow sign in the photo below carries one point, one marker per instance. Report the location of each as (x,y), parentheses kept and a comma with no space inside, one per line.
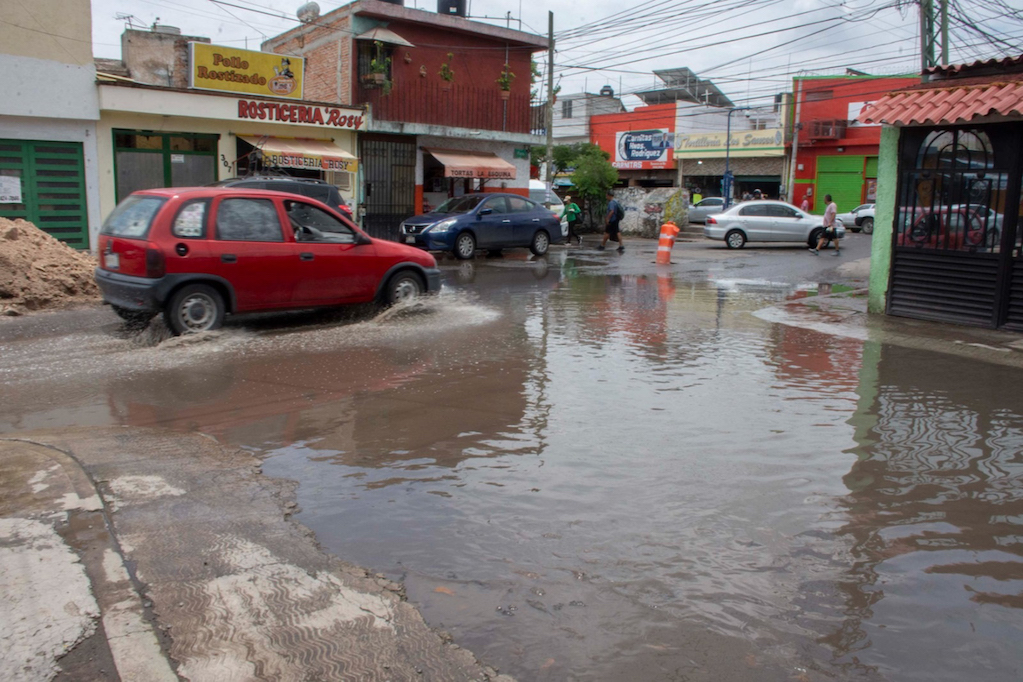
(228,69)
(744,143)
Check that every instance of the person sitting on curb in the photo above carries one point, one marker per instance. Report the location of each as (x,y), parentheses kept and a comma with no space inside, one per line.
(612,223)
(830,229)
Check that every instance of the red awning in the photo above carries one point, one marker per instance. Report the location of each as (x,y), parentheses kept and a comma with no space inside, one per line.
(932,104)
(463,164)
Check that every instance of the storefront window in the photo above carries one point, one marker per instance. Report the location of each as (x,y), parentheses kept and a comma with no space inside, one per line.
(148,160)
(953,192)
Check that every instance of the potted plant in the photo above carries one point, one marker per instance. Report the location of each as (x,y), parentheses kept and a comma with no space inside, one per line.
(378,68)
(504,81)
(446,74)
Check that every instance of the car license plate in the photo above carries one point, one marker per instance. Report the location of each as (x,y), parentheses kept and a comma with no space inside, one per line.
(112,261)
(410,239)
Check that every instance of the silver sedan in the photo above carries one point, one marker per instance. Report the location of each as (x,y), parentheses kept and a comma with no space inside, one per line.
(765,221)
(698,212)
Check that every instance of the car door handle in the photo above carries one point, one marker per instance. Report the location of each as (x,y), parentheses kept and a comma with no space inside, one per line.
(505,221)
(228,258)
(536,220)
(305,256)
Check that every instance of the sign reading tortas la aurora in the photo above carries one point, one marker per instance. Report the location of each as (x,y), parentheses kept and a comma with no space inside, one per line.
(229,69)
(744,143)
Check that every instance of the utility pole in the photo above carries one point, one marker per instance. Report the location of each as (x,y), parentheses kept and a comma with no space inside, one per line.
(930,35)
(550,107)
(726,188)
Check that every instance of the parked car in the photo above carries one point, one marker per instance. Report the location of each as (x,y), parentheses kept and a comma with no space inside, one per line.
(198,254)
(765,221)
(307,187)
(538,194)
(699,211)
(960,227)
(488,221)
(860,218)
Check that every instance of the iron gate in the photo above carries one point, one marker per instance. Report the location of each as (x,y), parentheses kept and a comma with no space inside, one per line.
(389,168)
(956,252)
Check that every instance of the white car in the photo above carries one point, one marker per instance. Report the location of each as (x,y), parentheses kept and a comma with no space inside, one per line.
(699,211)
(765,221)
(538,193)
(860,218)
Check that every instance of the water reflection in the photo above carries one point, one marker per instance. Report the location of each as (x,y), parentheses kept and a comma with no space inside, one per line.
(935,518)
(619,476)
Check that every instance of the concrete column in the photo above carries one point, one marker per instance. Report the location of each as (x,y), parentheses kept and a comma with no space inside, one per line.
(884,219)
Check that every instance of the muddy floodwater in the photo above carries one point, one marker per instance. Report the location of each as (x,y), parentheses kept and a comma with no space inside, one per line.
(584,474)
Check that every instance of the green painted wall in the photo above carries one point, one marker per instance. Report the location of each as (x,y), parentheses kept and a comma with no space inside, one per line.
(884,219)
(842,178)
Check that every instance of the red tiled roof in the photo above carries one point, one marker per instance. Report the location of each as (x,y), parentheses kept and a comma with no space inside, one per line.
(999,62)
(947,102)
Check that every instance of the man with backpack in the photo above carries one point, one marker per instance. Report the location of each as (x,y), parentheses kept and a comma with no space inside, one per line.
(612,223)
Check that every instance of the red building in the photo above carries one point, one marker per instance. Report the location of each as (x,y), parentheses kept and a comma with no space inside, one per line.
(833,153)
(448,99)
(640,143)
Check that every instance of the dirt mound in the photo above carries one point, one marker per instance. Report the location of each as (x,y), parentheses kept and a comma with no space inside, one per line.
(37,272)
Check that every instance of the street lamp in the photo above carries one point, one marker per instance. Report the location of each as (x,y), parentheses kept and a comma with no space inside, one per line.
(727,184)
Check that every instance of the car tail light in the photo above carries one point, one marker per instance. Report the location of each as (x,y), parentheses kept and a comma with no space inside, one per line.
(711,220)
(155,266)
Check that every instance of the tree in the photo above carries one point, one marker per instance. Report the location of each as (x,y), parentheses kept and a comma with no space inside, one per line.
(594,176)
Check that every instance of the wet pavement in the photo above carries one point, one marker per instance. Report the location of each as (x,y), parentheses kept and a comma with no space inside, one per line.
(587,467)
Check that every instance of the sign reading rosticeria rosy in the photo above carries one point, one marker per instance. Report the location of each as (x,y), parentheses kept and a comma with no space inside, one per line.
(229,69)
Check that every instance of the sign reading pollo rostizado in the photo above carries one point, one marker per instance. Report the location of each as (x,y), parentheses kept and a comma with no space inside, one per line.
(229,69)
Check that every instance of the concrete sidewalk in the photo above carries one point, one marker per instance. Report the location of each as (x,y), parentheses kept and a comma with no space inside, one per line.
(135,555)
(845,314)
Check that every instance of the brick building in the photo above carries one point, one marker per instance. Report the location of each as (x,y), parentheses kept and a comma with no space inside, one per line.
(440,123)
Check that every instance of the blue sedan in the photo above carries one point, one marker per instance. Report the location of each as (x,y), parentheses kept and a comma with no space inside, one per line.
(483,221)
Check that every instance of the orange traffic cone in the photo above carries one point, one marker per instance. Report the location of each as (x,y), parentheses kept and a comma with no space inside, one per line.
(668,233)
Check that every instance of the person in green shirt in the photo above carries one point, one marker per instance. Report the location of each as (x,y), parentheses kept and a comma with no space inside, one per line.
(572,213)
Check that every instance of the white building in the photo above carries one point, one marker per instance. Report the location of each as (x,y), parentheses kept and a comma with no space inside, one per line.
(572,113)
(48,119)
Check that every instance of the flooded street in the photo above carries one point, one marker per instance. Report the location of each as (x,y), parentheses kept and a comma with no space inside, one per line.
(585,469)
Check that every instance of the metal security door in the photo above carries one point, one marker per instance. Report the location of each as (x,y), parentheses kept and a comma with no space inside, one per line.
(52,187)
(389,166)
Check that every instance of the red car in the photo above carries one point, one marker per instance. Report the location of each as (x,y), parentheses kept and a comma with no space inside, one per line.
(197,254)
(961,227)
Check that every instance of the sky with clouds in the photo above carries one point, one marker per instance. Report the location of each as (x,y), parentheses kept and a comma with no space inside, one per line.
(751,49)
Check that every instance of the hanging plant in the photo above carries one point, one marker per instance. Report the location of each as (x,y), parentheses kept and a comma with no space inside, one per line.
(504,81)
(445,69)
(379,67)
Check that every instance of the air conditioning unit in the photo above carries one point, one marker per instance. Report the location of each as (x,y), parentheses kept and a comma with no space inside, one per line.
(833,129)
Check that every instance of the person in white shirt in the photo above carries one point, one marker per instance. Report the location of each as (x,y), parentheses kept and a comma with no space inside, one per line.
(830,216)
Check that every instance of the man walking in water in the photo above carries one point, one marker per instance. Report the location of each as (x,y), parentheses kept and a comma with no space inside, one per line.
(830,216)
(612,223)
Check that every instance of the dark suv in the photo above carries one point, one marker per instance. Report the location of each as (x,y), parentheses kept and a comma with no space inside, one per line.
(307,187)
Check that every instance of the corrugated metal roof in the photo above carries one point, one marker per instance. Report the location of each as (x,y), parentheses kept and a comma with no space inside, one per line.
(931,104)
